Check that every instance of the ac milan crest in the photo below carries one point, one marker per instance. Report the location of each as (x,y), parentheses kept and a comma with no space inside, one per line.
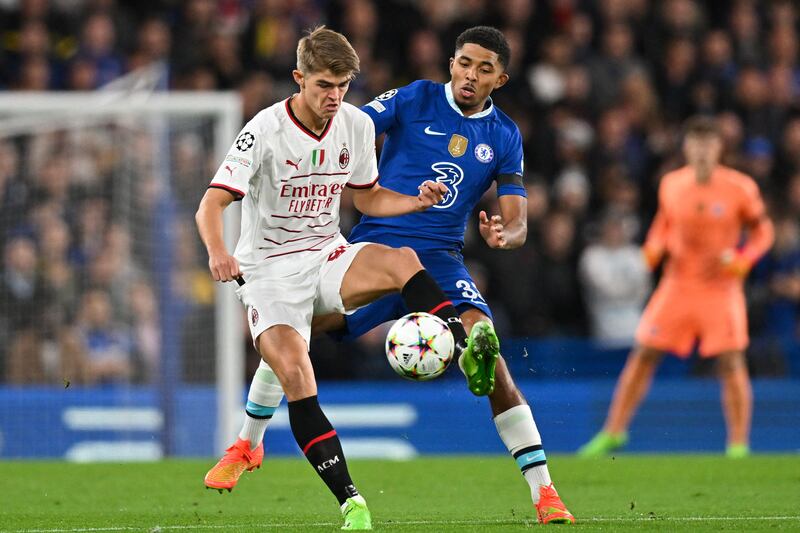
(254,316)
(344,158)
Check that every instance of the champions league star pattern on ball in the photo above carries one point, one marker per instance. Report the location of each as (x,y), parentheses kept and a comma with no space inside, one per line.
(419,346)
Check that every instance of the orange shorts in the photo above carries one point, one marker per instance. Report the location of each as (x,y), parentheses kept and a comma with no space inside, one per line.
(676,317)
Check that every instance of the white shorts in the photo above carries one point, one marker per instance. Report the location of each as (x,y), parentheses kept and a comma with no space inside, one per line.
(294,299)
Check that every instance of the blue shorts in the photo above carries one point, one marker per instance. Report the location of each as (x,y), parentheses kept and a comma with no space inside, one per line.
(447,268)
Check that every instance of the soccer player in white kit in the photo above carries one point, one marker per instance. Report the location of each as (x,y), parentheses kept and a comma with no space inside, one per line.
(289,166)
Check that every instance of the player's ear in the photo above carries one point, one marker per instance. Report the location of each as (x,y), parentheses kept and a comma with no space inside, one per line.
(452,60)
(502,80)
(299,79)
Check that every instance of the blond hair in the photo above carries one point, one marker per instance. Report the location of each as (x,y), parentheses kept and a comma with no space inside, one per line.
(324,49)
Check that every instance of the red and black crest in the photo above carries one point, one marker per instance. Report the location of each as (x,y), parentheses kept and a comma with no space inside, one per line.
(344,158)
(254,315)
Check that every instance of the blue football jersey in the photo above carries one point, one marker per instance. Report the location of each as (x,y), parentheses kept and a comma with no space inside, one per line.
(429,138)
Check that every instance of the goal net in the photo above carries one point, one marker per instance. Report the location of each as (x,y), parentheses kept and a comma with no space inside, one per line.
(109,323)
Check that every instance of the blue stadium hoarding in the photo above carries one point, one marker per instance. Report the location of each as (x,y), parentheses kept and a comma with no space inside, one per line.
(393,419)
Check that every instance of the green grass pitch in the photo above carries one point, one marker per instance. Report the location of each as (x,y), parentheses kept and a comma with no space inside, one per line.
(437,494)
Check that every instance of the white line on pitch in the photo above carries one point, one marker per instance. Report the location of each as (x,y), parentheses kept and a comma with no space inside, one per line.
(508,521)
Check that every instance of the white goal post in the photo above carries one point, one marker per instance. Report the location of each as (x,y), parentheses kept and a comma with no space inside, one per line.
(32,113)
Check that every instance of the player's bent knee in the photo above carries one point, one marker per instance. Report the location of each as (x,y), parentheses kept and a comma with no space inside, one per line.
(408,258)
(729,363)
(646,355)
(405,264)
(297,380)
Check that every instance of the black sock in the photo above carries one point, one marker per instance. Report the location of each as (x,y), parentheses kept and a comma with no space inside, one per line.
(422,293)
(320,444)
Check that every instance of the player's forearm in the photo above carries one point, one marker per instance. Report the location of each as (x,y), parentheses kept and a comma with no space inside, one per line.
(515,233)
(385,203)
(209,225)
(656,242)
(514,213)
(759,241)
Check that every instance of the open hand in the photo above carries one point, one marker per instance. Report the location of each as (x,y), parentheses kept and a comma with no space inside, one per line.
(492,230)
(430,194)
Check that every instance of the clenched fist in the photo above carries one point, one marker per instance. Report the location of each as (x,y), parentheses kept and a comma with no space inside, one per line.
(430,194)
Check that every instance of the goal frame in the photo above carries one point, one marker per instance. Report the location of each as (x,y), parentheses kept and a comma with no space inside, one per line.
(226,108)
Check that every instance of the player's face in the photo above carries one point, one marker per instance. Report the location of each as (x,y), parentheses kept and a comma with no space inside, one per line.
(475,73)
(323,91)
(702,151)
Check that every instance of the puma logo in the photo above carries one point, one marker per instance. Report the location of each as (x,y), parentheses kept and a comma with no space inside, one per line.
(295,165)
(229,169)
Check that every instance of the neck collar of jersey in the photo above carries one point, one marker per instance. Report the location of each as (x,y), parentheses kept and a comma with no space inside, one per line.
(302,126)
(448,93)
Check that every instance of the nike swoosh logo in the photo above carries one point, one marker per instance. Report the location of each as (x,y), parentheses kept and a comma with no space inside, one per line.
(429,131)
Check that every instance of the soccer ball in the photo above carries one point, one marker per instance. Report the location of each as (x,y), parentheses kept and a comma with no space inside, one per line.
(419,346)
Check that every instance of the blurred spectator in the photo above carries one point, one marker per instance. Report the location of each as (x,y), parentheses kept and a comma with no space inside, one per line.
(616,281)
(61,280)
(548,78)
(23,302)
(14,190)
(616,62)
(555,303)
(154,42)
(104,347)
(98,46)
(425,57)
(146,331)
(676,81)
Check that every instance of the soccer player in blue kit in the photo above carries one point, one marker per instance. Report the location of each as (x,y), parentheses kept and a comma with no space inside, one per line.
(452,133)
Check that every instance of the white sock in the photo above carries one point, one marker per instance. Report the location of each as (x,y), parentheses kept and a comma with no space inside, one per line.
(520,435)
(263,399)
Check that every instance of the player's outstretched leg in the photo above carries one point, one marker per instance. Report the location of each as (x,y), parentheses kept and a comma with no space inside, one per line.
(479,359)
(247,452)
(379,269)
(517,429)
(632,386)
(476,354)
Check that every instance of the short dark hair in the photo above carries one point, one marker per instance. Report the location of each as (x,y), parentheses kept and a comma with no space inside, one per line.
(702,125)
(489,38)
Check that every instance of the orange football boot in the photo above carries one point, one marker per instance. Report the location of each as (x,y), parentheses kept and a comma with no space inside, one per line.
(550,509)
(238,458)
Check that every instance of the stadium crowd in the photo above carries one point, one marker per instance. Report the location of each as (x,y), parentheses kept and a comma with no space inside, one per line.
(599,90)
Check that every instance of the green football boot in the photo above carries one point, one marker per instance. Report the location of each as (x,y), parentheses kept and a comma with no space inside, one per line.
(479,358)
(737,451)
(602,444)
(356,515)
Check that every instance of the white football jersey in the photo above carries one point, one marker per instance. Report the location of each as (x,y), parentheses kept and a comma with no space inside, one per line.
(290,181)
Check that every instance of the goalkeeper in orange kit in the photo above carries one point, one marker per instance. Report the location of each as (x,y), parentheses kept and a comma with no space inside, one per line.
(704,211)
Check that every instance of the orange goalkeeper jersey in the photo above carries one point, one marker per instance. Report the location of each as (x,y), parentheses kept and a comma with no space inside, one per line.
(697,223)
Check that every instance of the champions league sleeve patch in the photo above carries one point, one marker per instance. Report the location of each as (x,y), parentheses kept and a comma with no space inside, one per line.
(245,141)
(387,95)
